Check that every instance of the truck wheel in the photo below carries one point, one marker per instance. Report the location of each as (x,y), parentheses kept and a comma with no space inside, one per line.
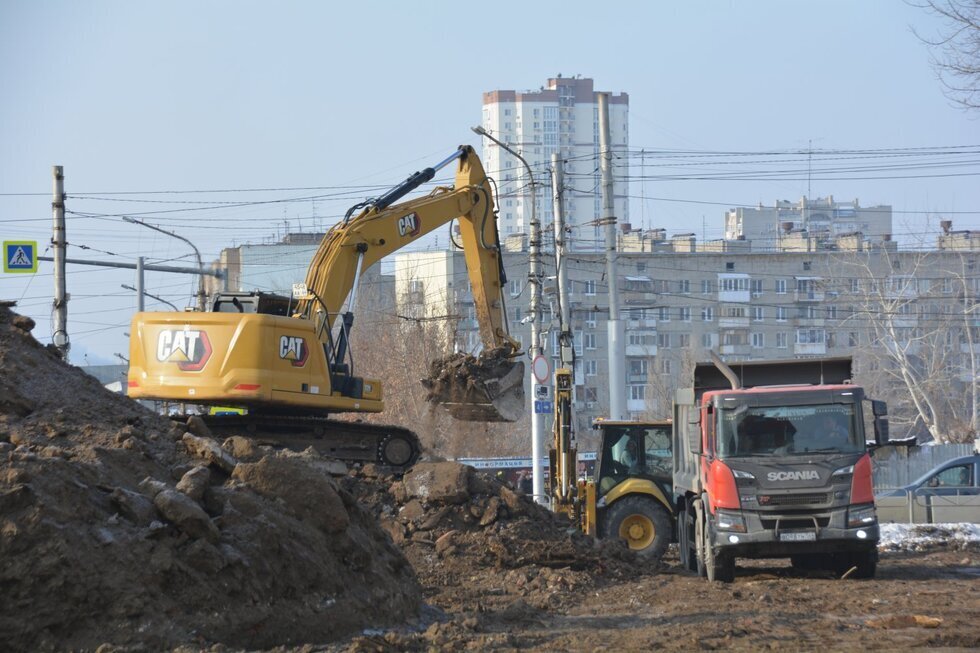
(689,555)
(865,561)
(699,538)
(718,566)
(643,523)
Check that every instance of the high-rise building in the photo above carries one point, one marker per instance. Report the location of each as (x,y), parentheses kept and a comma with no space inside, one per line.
(562,117)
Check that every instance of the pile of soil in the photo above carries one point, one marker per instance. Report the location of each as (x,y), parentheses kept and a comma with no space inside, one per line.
(486,555)
(118,527)
(486,388)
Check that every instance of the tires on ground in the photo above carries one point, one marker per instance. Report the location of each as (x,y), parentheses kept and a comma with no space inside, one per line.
(643,522)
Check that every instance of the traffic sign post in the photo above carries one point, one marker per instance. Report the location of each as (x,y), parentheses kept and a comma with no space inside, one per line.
(20,256)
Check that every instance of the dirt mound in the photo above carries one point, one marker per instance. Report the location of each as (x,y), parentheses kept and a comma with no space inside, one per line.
(457,525)
(116,527)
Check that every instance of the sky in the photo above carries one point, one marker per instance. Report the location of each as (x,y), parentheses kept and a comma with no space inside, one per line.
(148,105)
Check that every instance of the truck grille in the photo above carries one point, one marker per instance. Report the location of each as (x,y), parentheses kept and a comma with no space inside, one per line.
(793,499)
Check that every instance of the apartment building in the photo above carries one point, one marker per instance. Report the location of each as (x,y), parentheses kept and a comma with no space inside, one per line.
(746,305)
(562,117)
(808,224)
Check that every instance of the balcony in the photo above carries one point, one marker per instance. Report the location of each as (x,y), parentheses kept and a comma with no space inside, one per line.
(636,378)
(810,349)
(641,325)
(809,295)
(735,350)
(636,405)
(806,322)
(641,350)
(736,296)
(733,322)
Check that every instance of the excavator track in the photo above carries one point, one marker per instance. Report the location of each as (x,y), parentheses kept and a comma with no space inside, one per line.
(353,442)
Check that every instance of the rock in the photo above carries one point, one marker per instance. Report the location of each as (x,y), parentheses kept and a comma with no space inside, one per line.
(210,451)
(241,448)
(439,482)
(16,498)
(309,494)
(203,557)
(434,519)
(23,323)
(445,541)
(491,512)
(195,482)
(397,492)
(512,500)
(411,511)
(133,506)
(196,425)
(186,515)
(394,530)
(151,487)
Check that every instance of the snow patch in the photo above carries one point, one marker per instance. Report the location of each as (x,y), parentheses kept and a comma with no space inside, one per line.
(918,537)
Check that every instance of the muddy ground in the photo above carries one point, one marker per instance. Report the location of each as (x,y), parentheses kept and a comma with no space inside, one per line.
(121,531)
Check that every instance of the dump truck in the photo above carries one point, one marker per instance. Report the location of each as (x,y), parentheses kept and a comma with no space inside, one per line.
(287,361)
(770,460)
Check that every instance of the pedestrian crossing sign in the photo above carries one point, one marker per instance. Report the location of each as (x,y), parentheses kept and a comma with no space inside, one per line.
(20,256)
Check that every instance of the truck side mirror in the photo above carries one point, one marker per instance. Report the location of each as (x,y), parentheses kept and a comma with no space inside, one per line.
(881,431)
(879,408)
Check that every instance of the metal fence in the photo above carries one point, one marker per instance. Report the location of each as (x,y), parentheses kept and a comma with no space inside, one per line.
(898,466)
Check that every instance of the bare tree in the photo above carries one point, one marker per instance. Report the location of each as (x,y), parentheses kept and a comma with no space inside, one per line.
(919,313)
(956,48)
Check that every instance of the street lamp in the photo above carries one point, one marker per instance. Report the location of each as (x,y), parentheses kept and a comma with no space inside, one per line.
(200,264)
(534,238)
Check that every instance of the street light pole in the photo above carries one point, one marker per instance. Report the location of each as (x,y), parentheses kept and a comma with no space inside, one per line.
(200,264)
(534,278)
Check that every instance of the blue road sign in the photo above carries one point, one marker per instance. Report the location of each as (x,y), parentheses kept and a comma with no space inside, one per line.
(20,256)
(543,407)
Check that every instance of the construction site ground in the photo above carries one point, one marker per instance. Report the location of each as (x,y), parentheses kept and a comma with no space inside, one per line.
(123,531)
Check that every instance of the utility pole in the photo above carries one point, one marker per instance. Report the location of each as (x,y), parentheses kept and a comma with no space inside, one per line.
(60,245)
(565,453)
(616,331)
(200,265)
(140,285)
(534,279)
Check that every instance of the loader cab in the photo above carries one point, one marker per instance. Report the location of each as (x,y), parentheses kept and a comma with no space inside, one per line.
(633,450)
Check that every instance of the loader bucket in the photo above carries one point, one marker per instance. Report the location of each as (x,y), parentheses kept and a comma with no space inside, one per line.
(488,388)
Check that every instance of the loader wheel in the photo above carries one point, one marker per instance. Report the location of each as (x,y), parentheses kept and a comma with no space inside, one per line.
(642,522)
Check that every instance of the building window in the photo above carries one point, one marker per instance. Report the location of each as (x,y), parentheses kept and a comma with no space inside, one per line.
(589,340)
(638,392)
(733,285)
(756,287)
(590,319)
(684,286)
(590,368)
(705,286)
(780,286)
(855,285)
(638,367)
(590,287)
(663,314)
(515,287)
(684,339)
(758,340)
(810,337)
(634,339)
(758,313)
(707,314)
(663,340)
(831,312)
(781,340)
(853,339)
(780,313)
(665,366)
(685,313)
(730,265)
(517,314)
(708,340)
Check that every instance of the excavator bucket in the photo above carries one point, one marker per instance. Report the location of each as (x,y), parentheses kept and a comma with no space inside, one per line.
(488,388)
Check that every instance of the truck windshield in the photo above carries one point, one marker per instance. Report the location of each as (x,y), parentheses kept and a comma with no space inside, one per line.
(788,430)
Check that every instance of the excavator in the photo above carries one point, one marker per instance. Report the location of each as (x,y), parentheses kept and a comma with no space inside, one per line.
(285,364)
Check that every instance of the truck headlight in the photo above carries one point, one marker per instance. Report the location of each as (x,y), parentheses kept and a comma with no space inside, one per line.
(861,516)
(844,471)
(729,520)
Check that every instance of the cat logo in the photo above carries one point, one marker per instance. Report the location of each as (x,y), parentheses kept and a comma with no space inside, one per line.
(189,349)
(409,225)
(294,350)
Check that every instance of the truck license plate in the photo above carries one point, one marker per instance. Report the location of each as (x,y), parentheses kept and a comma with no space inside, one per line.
(798,537)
